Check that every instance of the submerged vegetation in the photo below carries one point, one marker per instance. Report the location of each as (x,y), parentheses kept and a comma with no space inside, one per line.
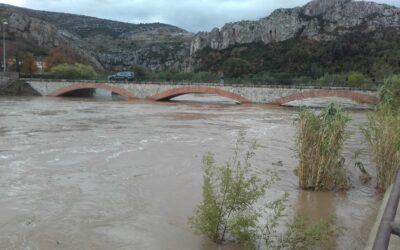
(320,138)
(303,235)
(228,211)
(232,208)
(382,133)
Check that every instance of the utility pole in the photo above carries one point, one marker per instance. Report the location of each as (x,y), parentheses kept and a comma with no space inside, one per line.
(4,46)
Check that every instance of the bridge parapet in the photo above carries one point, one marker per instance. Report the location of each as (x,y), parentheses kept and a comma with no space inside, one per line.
(241,93)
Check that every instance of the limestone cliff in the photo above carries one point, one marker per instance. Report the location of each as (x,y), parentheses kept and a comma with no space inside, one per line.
(112,45)
(44,36)
(105,44)
(319,20)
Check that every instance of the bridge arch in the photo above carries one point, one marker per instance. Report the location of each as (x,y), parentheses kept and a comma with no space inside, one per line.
(79,86)
(348,94)
(171,93)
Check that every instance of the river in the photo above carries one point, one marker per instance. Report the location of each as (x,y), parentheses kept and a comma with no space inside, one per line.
(85,174)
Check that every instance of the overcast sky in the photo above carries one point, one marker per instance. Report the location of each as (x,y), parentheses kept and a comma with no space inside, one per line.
(192,15)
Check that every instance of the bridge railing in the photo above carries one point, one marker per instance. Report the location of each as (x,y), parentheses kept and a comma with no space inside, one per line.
(313,85)
(387,227)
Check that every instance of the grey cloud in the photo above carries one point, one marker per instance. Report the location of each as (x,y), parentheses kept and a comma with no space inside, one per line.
(192,15)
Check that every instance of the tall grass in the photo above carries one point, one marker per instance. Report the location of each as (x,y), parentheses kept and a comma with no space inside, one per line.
(382,133)
(320,138)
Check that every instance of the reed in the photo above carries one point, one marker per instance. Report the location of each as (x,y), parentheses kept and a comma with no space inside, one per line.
(320,139)
(382,133)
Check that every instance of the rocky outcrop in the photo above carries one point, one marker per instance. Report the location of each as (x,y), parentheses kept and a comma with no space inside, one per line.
(104,44)
(319,19)
(35,30)
(156,50)
(45,36)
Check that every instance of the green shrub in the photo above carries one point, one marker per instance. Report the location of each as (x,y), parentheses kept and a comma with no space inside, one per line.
(230,193)
(73,71)
(320,139)
(356,79)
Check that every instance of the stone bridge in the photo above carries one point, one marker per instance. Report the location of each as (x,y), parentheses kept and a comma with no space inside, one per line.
(239,93)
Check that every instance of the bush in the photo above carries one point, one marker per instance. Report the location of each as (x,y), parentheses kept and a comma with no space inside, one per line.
(73,71)
(320,140)
(230,193)
(236,67)
(356,78)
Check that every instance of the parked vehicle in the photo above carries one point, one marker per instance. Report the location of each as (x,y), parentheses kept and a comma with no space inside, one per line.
(122,76)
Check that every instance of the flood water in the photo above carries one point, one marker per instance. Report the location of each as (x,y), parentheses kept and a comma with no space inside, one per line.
(85,174)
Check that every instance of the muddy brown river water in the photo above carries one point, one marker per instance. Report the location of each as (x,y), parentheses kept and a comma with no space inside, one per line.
(86,174)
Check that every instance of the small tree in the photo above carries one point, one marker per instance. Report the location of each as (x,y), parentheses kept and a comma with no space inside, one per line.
(28,64)
(230,193)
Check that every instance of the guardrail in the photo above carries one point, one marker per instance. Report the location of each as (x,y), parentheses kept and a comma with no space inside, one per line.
(387,226)
(260,85)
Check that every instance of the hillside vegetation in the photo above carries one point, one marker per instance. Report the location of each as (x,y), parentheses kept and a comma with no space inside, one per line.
(375,55)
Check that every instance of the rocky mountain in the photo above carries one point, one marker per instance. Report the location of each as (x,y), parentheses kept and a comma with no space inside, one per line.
(105,44)
(317,20)
(321,36)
